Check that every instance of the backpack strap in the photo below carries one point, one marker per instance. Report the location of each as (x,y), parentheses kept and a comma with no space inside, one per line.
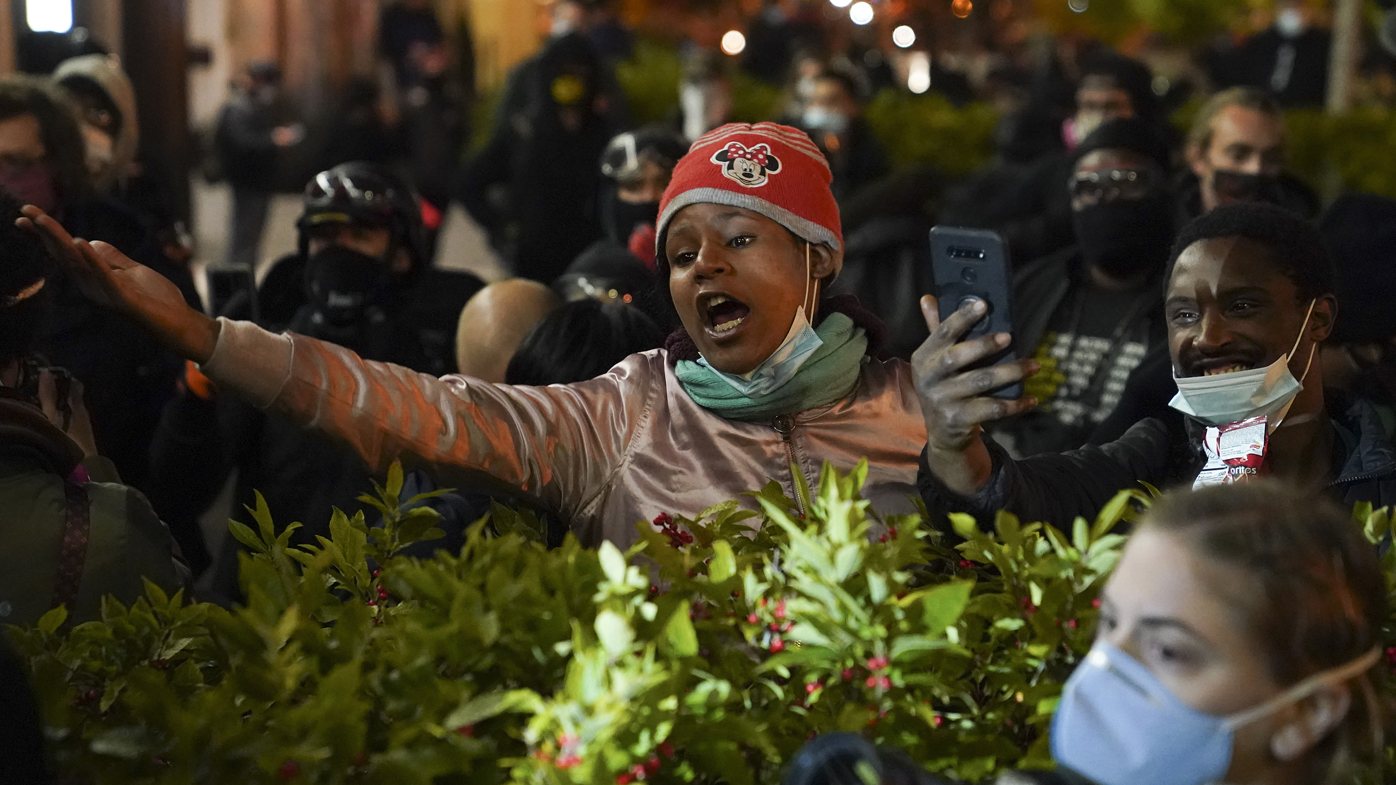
(73,553)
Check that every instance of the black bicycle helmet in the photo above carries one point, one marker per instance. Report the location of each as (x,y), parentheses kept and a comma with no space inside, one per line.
(362,192)
(624,154)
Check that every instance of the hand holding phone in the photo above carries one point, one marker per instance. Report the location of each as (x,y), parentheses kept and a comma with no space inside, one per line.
(966,374)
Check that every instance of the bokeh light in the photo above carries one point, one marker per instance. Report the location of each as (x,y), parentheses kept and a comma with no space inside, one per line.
(49,16)
(733,42)
(963,8)
(1079,6)
(918,77)
(861,13)
(904,36)
(840,3)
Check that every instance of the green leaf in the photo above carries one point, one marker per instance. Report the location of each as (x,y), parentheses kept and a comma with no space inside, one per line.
(724,564)
(53,619)
(965,526)
(679,634)
(943,605)
(613,631)
(490,704)
(612,562)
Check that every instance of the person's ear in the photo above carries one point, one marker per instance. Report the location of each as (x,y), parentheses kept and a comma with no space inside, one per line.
(824,261)
(1324,317)
(1197,160)
(1310,721)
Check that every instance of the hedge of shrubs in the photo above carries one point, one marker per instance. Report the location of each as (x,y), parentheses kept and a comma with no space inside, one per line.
(710,652)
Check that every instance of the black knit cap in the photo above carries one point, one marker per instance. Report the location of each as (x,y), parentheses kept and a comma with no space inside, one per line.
(1129,75)
(1360,232)
(1130,134)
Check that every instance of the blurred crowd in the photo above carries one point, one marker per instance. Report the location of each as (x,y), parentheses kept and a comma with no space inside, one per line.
(1168,287)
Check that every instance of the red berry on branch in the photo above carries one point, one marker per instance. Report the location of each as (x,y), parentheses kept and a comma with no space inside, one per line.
(1095,604)
(638,771)
(871,681)
(777,646)
(752,619)
(623,779)
(666,749)
(568,761)
(877,663)
(892,533)
(652,765)
(780,610)
(812,687)
(883,538)
(761,602)
(936,721)
(1072,623)
(467,731)
(966,564)
(654,590)
(289,771)
(847,674)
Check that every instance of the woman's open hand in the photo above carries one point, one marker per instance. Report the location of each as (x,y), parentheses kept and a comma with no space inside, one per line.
(109,277)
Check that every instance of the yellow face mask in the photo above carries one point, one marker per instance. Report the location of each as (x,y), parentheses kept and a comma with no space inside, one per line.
(567,90)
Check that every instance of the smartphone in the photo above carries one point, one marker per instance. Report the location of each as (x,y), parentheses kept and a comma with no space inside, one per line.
(970,264)
(232,291)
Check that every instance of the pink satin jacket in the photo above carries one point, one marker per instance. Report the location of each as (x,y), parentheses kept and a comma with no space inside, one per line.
(606,453)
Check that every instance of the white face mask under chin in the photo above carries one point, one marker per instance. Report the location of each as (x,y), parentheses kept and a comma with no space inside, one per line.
(1232,397)
(775,371)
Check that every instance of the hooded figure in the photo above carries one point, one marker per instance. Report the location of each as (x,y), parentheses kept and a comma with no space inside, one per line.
(107,102)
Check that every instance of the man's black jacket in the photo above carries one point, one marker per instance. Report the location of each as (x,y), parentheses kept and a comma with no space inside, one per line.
(1165,453)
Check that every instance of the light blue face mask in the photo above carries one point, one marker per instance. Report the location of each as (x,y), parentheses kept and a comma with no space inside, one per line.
(1117,724)
(1232,397)
(817,118)
(775,371)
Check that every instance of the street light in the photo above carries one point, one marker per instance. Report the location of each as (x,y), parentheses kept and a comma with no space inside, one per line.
(733,42)
(840,3)
(861,13)
(904,36)
(49,16)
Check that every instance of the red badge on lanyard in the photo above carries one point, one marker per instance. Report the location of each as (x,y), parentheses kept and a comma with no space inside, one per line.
(1235,452)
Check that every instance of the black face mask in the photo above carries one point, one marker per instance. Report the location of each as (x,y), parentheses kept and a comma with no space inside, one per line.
(1126,237)
(342,284)
(1241,187)
(626,216)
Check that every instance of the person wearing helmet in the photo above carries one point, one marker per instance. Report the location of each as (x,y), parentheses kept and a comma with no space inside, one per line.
(361,279)
(637,166)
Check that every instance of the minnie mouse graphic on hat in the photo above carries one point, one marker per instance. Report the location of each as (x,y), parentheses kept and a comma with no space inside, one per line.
(749,166)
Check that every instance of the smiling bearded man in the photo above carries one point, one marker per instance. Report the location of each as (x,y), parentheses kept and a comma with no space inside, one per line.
(1249,297)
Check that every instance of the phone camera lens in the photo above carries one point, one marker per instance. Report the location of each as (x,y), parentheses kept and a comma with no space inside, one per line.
(969,275)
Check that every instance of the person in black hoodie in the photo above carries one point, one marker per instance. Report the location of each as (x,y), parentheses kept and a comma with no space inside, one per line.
(1091,312)
(1250,289)
(544,151)
(364,277)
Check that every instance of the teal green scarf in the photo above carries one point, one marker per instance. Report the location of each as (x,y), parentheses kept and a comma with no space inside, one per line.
(828,375)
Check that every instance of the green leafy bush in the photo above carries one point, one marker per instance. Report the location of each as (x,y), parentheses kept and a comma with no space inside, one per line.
(712,651)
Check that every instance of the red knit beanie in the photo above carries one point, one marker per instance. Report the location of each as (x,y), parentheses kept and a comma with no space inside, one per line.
(771,169)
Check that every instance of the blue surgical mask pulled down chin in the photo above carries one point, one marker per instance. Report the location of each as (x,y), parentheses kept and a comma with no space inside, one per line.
(775,371)
(1232,397)
(1117,724)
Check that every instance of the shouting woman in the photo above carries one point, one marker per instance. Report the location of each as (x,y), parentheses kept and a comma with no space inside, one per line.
(764,376)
